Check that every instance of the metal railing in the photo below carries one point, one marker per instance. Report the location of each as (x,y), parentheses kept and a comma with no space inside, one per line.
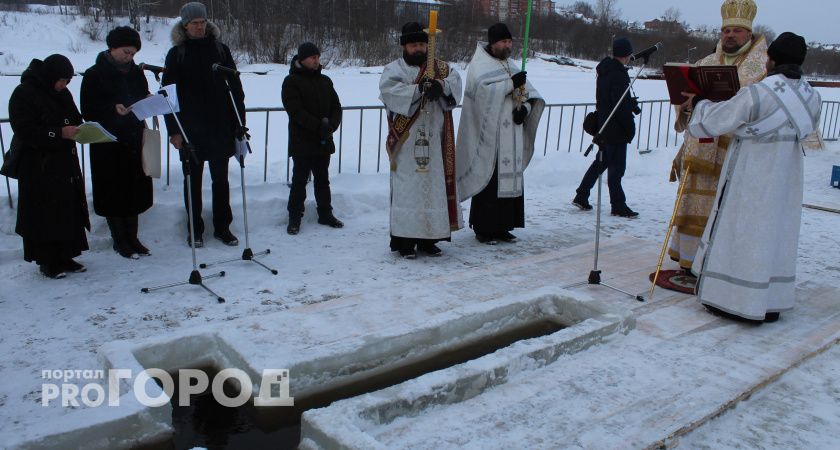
(560,128)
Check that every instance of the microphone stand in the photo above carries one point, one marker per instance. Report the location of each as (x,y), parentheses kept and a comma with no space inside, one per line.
(247,254)
(595,273)
(187,153)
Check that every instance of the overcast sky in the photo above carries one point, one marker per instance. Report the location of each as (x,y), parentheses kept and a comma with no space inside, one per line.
(816,20)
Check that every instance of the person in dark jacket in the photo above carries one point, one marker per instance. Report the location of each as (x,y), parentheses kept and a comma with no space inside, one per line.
(613,80)
(121,190)
(314,114)
(206,114)
(52,211)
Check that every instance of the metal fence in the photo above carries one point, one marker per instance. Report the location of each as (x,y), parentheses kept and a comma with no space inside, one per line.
(560,129)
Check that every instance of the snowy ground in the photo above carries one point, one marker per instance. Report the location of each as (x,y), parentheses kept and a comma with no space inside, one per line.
(61,324)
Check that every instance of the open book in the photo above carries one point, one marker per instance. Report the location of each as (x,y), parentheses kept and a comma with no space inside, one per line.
(715,83)
(93,133)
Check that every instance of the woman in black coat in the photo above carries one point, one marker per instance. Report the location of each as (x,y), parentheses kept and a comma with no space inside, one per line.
(52,210)
(121,190)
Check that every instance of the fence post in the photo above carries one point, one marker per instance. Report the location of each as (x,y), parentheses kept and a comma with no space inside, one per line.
(572,128)
(559,128)
(8,186)
(361,122)
(585,110)
(340,144)
(547,127)
(265,154)
(659,125)
(379,146)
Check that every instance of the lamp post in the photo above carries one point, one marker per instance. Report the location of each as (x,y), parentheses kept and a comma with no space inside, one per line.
(688,58)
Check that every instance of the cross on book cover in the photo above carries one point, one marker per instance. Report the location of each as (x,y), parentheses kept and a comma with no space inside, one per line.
(715,83)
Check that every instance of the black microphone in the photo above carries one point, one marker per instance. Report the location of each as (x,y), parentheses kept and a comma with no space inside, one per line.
(151,68)
(218,67)
(645,54)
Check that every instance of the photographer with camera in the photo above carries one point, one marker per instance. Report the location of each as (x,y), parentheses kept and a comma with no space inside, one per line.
(613,80)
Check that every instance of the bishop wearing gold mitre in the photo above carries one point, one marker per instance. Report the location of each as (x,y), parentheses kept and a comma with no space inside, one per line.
(699,161)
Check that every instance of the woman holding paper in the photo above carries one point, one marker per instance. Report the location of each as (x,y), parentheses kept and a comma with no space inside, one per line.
(52,211)
(121,190)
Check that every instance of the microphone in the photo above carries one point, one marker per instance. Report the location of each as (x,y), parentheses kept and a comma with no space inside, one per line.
(645,54)
(218,67)
(151,68)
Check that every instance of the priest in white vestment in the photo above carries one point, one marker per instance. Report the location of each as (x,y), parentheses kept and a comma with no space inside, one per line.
(421,147)
(496,136)
(746,260)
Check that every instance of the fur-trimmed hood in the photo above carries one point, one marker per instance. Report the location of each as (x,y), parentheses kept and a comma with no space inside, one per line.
(179,33)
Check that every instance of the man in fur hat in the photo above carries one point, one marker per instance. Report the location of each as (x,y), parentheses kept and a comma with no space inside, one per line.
(496,138)
(421,146)
(207,114)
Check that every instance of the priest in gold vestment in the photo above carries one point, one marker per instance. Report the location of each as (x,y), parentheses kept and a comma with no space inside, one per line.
(699,161)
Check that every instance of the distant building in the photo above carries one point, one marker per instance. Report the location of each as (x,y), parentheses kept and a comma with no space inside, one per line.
(663,25)
(505,9)
(418,8)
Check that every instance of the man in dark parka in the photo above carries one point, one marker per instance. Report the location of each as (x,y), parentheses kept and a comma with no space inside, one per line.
(206,112)
(121,190)
(52,211)
(613,80)
(314,114)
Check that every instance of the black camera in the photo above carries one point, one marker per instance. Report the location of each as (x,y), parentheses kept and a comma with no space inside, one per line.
(634,105)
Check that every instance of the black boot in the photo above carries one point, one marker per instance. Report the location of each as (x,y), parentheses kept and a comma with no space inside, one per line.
(294,225)
(131,237)
(119,235)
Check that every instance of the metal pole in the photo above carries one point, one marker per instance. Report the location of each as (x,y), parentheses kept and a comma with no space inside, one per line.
(547,127)
(168,150)
(641,121)
(379,146)
(559,128)
(650,123)
(361,122)
(836,121)
(585,110)
(340,144)
(8,186)
(82,152)
(265,154)
(572,128)
(659,125)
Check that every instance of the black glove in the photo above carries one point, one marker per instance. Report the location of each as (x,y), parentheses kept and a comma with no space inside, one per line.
(519,114)
(518,79)
(325,131)
(432,89)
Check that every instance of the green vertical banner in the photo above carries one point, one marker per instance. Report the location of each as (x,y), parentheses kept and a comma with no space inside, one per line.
(527,35)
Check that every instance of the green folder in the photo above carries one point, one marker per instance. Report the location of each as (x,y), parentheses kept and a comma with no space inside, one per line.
(93,133)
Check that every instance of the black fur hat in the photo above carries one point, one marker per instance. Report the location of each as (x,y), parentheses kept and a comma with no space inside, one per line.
(413,32)
(498,32)
(123,37)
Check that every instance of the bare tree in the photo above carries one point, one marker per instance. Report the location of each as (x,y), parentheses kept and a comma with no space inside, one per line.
(766,31)
(584,9)
(607,12)
(672,14)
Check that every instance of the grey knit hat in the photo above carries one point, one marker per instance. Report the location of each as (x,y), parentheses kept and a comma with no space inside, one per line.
(191,11)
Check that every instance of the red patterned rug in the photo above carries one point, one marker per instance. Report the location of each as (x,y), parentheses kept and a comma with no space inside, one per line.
(675,280)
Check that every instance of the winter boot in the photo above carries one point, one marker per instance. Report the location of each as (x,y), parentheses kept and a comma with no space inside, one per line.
(331,221)
(119,235)
(294,225)
(131,235)
(623,211)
